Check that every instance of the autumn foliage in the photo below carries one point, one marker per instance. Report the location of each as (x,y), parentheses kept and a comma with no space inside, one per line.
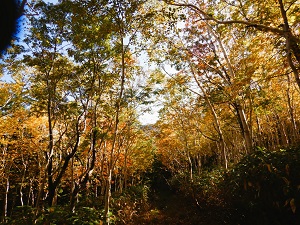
(222,75)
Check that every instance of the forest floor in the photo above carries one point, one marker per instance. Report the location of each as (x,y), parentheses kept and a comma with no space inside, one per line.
(170,208)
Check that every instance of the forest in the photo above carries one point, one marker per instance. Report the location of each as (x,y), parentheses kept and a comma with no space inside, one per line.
(81,76)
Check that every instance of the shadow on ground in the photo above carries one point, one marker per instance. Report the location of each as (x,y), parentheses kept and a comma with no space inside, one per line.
(170,208)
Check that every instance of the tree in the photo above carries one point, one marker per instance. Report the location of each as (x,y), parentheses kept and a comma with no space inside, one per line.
(262,20)
(22,140)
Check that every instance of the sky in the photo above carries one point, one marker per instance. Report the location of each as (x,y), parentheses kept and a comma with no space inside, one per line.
(149,118)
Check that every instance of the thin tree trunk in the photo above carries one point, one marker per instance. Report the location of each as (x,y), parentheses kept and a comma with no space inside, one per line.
(116,129)
(21,190)
(84,178)
(125,170)
(291,112)
(107,196)
(6,199)
(259,133)
(52,185)
(190,167)
(216,120)
(240,111)
(72,198)
(244,126)
(49,154)
(281,128)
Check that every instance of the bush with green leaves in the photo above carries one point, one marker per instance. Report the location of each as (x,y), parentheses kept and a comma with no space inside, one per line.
(264,187)
(132,201)
(57,215)
(22,215)
(203,188)
(206,187)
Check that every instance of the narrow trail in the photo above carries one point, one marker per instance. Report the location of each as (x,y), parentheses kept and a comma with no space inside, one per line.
(169,208)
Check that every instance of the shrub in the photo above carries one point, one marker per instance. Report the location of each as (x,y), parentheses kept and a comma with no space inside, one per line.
(130,203)
(204,188)
(21,215)
(59,215)
(85,216)
(265,187)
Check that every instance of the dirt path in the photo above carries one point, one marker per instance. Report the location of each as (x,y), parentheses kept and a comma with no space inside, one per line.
(169,208)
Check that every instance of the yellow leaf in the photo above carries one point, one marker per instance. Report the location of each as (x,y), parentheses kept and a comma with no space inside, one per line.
(269,168)
(286,180)
(286,202)
(292,204)
(292,19)
(287,169)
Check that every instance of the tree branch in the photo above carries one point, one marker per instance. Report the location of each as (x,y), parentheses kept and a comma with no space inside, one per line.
(21,8)
(206,16)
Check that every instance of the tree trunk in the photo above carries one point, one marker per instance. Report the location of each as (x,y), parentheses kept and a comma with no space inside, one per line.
(84,178)
(259,134)
(115,134)
(42,182)
(244,126)
(49,154)
(292,47)
(284,141)
(107,197)
(216,121)
(291,113)
(5,210)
